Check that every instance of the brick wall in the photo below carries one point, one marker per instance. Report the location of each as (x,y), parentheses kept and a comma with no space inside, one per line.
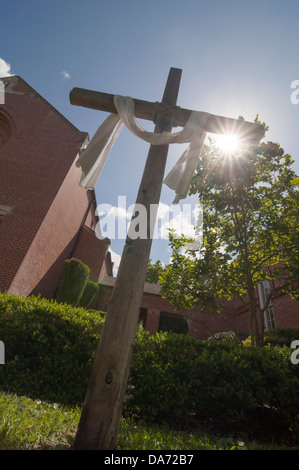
(203,324)
(286,312)
(93,252)
(40,180)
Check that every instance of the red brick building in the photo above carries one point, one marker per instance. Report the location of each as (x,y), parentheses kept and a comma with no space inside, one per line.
(282,311)
(157,314)
(45,216)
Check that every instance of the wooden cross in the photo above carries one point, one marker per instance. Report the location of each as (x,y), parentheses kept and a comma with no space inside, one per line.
(102,408)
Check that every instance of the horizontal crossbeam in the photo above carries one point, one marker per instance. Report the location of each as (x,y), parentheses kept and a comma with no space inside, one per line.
(148,110)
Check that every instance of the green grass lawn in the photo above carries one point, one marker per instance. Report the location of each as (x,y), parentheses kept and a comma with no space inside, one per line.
(32,424)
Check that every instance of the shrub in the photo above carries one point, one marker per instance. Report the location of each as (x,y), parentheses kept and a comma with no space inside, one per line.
(174,378)
(73,281)
(88,294)
(49,348)
(281,337)
(179,380)
(224,336)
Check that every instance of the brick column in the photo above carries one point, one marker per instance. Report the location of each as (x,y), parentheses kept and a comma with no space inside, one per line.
(152,318)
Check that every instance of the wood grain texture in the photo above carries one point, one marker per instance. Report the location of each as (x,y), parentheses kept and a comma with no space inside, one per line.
(179,116)
(103,404)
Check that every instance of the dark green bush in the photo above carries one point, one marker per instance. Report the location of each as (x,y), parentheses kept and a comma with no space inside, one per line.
(49,348)
(281,337)
(178,379)
(88,294)
(74,278)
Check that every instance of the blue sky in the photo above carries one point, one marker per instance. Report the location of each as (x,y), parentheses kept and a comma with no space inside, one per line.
(237,57)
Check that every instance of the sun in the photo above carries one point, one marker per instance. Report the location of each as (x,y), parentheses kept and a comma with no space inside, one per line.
(228,143)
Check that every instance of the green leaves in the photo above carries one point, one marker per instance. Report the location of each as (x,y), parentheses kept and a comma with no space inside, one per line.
(48,347)
(250,212)
(73,282)
(173,378)
(154,271)
(179,380)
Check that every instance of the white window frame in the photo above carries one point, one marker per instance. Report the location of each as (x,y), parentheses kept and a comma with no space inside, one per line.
(264,290)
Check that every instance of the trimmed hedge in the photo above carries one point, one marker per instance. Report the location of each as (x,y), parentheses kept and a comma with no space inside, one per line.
(88,294)
(50,348)
(74,278)
(180,380)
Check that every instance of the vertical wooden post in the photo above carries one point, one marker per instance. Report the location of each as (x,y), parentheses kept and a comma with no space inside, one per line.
(102,408)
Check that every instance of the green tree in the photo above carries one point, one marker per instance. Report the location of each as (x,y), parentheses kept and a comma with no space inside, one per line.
(250,213)
(154,271)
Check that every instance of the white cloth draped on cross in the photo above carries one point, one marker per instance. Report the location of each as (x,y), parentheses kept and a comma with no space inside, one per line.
(93,158)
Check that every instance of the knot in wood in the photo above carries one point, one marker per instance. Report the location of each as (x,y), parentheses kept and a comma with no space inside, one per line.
(109,378)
